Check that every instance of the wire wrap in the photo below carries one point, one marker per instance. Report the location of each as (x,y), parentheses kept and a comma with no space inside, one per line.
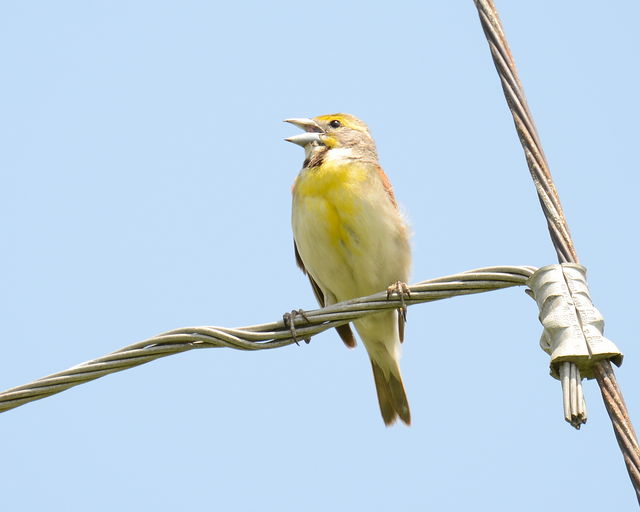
(573,327)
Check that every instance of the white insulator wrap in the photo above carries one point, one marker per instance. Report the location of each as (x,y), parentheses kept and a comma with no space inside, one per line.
(573,327)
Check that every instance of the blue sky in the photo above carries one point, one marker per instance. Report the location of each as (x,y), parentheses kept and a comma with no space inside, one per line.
(146,186)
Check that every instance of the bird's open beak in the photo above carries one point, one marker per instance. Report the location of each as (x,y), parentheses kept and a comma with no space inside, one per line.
(312,132)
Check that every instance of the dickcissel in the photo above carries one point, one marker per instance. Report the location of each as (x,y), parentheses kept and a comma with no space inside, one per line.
(351,240)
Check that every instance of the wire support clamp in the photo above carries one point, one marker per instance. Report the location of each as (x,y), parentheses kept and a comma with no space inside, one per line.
(573,332)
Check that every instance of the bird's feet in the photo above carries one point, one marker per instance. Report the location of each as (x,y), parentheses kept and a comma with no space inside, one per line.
(289,320)
(401,290)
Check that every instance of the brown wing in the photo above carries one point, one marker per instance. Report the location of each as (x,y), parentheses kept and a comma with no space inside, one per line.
(345,332)
(389,190)
(387,185)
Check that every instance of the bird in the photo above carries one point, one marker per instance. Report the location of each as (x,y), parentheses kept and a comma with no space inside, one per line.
(351,240)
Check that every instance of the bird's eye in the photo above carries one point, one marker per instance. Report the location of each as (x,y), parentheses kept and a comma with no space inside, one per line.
(335,124)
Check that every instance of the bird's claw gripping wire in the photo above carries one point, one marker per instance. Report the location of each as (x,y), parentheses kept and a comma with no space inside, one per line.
(401,290)
(289,320)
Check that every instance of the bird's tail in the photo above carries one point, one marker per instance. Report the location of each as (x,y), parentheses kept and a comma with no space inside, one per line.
(391,395)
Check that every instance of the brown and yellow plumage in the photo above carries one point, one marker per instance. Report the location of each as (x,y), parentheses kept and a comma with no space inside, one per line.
(351,240)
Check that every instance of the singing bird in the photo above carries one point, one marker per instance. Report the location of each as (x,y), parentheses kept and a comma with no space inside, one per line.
(351,240)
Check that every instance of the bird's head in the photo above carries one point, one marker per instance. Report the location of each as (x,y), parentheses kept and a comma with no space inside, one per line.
(341,133)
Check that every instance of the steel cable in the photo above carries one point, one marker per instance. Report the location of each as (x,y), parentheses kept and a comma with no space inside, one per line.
(556,221)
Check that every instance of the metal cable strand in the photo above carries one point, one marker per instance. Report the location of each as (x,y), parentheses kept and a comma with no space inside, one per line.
(525,126)
(556,221)
(263,336)
(625,434)
(537,163)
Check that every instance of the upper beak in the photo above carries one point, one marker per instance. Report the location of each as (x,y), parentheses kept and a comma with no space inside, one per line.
(312,131)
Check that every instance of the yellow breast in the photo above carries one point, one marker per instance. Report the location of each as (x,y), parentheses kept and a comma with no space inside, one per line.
(348,232)
(330,177)
(332,195)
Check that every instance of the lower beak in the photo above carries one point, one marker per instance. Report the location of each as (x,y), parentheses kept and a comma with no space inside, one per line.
(304,139)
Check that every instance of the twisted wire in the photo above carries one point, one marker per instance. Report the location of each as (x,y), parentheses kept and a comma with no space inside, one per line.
(527,132)
(263,336)
(556,221)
